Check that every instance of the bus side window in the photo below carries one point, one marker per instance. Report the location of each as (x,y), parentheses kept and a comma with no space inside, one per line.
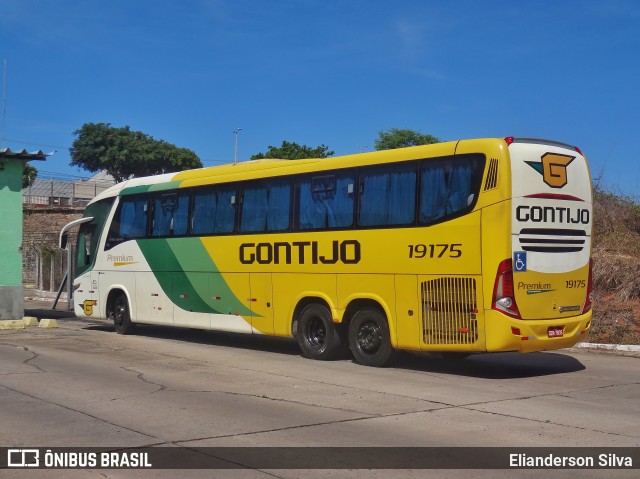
(278,206)
(265,207)
(170,214)
(203,212)
(213,210)
(83,248)
(254,209)
(133,218)
(449,187)
(226,211)
(459,188)
(387,197)
(325,201)
(433,193)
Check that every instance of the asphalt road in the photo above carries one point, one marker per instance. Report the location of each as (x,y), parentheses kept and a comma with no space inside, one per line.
(83,385)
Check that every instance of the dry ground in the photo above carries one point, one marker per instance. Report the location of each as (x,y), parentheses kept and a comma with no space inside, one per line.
(616,269)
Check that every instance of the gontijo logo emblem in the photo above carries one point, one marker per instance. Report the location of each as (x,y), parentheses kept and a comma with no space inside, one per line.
(88,305)
(553,168)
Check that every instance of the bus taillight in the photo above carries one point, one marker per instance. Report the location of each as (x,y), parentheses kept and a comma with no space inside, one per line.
(504,299)
(587,302)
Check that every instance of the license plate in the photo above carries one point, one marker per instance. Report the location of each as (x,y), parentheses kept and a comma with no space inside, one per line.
(555,331)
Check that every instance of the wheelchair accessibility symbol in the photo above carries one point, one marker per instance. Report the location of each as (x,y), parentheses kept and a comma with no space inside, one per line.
(520,261)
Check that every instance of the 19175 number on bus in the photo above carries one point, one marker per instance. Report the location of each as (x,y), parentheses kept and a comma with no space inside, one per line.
(452,250)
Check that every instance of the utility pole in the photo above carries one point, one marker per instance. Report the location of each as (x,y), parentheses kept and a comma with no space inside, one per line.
(4,103)
(235,156)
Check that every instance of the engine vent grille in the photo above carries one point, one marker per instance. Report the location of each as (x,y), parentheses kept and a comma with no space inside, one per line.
(449,311)
(492,175)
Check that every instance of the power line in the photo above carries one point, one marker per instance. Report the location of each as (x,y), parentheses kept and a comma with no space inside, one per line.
(63,175)
(20,142)
(204,162)
(51,175)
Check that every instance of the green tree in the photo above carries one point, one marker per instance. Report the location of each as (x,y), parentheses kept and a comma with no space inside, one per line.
(401,138)
(124,153)
(29,174)
(293,151)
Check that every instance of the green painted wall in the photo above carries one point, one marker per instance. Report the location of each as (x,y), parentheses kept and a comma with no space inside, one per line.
(11,222)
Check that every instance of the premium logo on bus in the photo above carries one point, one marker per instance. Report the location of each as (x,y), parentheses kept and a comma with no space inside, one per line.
(553,168)
(121,260)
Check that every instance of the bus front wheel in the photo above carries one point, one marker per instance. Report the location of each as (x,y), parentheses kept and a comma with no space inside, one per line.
(317,336)
(119,313)
(369,338)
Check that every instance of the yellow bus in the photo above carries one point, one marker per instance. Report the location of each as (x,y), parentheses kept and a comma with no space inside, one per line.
(458,247)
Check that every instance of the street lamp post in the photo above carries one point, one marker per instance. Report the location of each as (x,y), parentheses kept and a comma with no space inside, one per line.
(235,156)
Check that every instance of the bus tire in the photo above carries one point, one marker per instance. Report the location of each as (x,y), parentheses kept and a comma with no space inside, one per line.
(118,312)
(369,338)
(317,336)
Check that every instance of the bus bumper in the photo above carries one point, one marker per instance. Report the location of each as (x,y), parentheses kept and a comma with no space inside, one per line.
(509,334)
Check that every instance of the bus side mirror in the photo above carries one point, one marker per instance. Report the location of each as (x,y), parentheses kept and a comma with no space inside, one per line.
(64,239)
(64,234)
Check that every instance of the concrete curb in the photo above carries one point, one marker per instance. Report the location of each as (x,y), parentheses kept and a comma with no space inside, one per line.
(48,323)
(11,324)
(27,321)
(621,349)
(30,321)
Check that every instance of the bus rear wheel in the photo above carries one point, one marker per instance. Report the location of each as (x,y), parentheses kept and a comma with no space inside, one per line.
(317,336)
(118,312)
(369,338)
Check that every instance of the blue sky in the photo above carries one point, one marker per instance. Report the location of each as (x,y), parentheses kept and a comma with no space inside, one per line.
(331,72)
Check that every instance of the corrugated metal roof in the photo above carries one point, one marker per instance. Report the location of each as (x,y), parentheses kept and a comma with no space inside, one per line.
(24,154)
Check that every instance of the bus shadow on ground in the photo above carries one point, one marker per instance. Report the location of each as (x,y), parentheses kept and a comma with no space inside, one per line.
(484,365)
(252,342)
(494,365)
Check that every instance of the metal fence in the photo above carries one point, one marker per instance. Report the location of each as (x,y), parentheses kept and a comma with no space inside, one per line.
(52,192)
(51,266)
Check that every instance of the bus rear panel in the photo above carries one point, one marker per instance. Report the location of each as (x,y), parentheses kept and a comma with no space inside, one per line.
(542,292)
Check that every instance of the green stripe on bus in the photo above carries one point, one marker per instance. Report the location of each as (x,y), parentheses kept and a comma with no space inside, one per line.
(195,277)
(135,190)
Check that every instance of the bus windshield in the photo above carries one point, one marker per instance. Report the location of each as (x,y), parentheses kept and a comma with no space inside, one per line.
(89,234)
